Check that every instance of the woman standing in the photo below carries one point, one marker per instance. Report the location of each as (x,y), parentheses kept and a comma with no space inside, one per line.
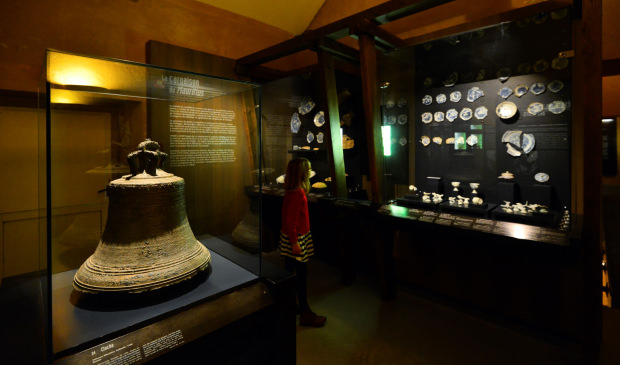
(295,238)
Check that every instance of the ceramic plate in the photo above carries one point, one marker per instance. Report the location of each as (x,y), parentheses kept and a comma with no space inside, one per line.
(557,107)
(391,120)
(472,140)
(428,82)
(427,118)
(437,140)
(528,142)
(541,177)
(559,63)
(474,94)
(535,108)
(319,119)
(450,140)
(402,141)
(295,123)
(439,116)
(306,105)
(512,151)
(425,140)
(481,112)
(555,86)
(538,88)
(402,119)
(506,110)
(455,96)
(521,90)
(441,98)
(466,114)
(503,74)
(319,137)
(541,66)
(427,100)
(451,115)
(402,102)
(505,92)
(451,80)
(513,137)
(310,137)
(389,104)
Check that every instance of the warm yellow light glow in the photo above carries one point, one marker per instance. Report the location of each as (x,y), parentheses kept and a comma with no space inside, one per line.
(518,231)
(77,76)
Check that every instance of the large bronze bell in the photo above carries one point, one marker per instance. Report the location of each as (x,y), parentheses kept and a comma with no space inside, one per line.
(147,242)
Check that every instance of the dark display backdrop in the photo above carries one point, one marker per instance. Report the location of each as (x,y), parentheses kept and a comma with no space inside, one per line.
(478,57)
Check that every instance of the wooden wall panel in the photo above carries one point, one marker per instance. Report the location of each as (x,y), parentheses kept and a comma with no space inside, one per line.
(118,29)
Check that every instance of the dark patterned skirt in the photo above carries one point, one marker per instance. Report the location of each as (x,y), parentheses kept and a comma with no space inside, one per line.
(305,242)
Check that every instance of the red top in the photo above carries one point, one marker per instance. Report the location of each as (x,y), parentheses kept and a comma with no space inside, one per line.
(295,217)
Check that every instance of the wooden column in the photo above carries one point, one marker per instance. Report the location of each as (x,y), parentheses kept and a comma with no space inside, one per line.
(368,61)
(587,166)
(334,146)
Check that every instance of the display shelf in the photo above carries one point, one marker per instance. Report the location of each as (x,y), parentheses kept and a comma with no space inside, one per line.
(482,210)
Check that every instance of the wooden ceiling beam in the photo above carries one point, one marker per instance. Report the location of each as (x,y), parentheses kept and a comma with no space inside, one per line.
(368,27)
(472,24)
(309,38)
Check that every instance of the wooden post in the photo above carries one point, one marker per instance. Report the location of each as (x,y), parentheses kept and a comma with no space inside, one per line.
(334,146)
(587,172)
(368,63)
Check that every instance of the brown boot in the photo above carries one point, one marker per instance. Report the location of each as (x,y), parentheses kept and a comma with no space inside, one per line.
(310,319)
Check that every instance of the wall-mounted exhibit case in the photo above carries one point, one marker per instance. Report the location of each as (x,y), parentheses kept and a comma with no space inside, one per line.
(484,115)
(97,112)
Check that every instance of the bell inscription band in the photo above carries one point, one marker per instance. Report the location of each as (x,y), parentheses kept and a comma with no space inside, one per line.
(147,243)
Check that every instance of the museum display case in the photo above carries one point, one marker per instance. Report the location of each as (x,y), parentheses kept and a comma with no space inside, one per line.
(479,122)
(151,239)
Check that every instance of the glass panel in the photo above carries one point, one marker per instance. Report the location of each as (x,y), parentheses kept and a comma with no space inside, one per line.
(467,108)
(208,133)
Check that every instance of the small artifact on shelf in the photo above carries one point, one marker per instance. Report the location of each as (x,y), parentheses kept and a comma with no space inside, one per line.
(427,100)
(425,140)
(481,112)
(319,185)
(450,140)
(144,247)
(437,197)
(347,142)
(451,80)
(503,74)
(455,185)
(472,140)
(473,187)
(541,177)
(426,197)
(507,175)
(437,140)
(306,148)
(477,200)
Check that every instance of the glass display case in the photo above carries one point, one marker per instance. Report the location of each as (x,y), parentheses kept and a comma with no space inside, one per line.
(149,168)
(479,123)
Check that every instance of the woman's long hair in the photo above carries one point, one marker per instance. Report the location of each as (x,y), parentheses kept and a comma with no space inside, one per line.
(297,174)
